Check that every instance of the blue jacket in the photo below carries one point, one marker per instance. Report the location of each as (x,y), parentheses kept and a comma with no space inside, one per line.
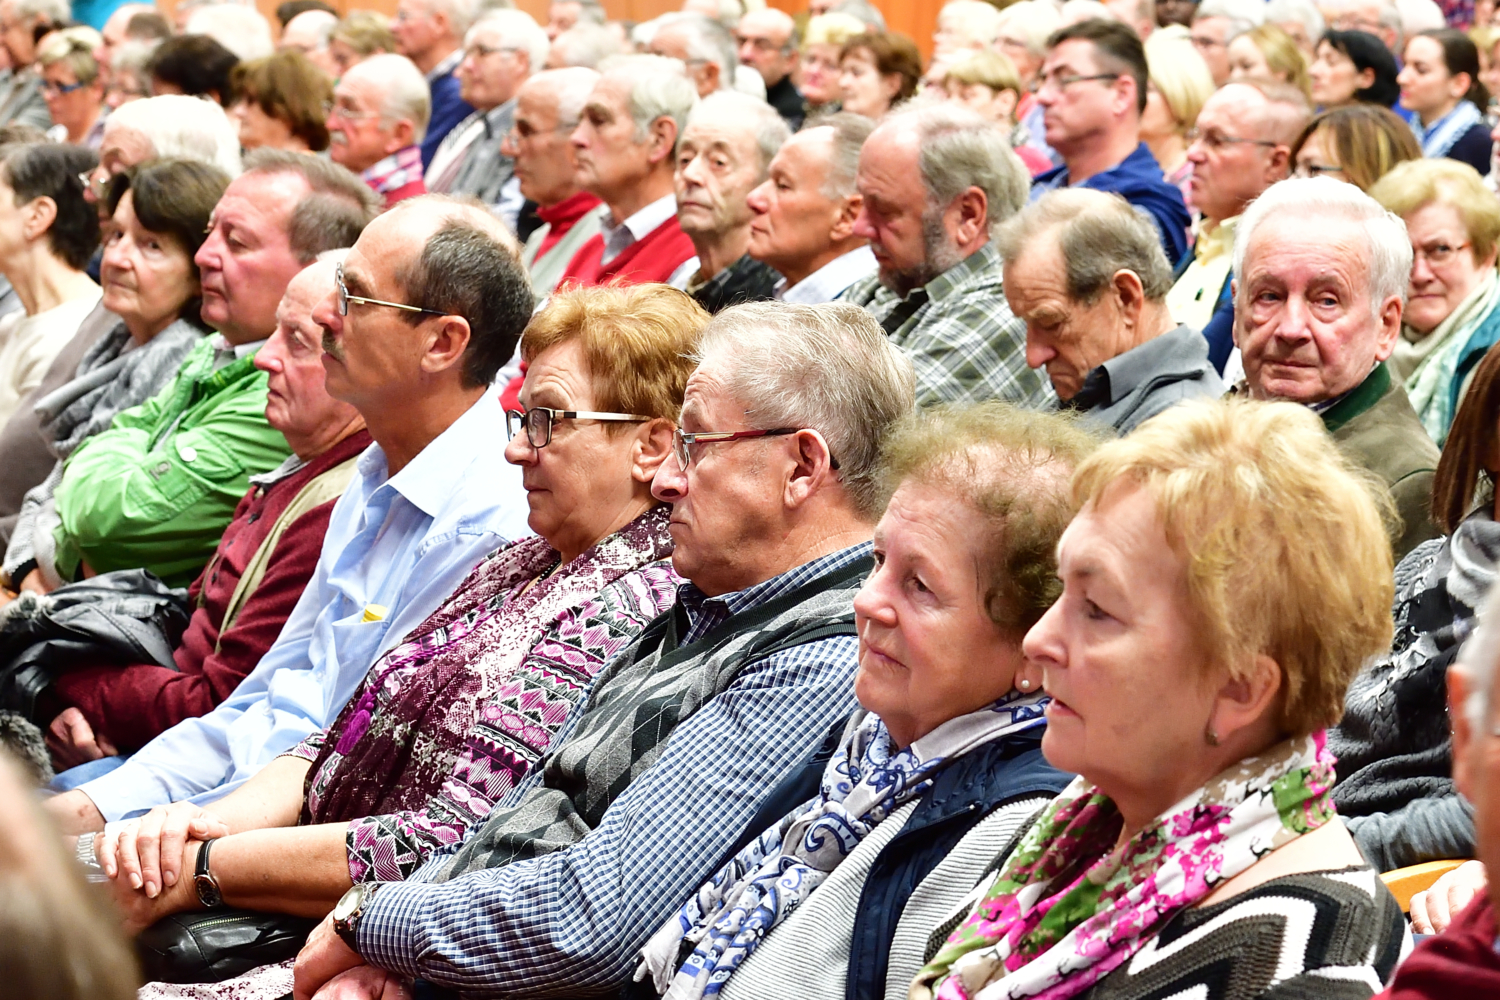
(1138,179)
(448,109)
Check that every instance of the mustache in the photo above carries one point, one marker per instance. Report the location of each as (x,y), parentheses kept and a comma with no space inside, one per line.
(331,347)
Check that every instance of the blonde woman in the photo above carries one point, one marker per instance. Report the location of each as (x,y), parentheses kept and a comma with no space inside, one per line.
(986,83)
(1176,90)
(1024,30)
(72,86)
(821,47)
(1268,51)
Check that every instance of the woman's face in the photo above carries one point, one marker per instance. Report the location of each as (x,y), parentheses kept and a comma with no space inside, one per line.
(1318,158)
(1157,122)
(147,277)
(866,92)
(124,87)
(820,74)
(1119,648)
(1246,59)
(1334,77)
(928,652)
(258,129)
(72,104)
(1443,270)
(1426,85)
(995,105)
(579,483)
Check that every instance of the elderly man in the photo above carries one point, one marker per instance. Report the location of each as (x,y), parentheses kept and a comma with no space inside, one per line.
(585,45)
(22,23)
(572,872)
(564,14)
(806,209)
(308,33)
(723,154)
(1093,87)
(1381,18)
(1216,23)
(431,33)
(502,49)
(548,108)
(427,502)
(767,41)
(626,145)
(269,551)
(1245,135)
(938,292)
(379,115)
(1084,271)
(1320,283)
(703,45)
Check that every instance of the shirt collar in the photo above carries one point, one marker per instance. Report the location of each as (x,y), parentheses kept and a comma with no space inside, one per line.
(824,284)
(648,218)
(448,65)
(1179,350)
(241,351)
(429,479)
(986,258)
(697,604)
(1216,241)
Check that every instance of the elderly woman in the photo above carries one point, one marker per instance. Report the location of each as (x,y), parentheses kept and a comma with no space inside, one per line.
(947,744)
(1395,787)
(1224,580)
(1452,313)
(72,86)
(160,212)
(821,45)
(448,721)
(1440,82)
(1350,67)
(1268,51)
(1178,86)
(878,72)
(1356,143)
(281,101)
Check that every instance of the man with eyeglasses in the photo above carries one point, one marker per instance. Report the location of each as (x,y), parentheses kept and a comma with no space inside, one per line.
(431,33)
(1093,92)
(502,49)
(696,734)
(767,41)
(379,115)
(1216,23)
(1240,146)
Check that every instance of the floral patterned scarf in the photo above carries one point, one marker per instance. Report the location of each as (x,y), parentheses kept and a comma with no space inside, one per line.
(1069,906)
(865,781)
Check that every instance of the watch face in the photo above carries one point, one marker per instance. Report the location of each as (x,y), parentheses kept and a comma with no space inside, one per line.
(348,903)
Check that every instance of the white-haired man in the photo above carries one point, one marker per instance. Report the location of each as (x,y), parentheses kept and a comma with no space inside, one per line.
(805,212)
(309,33)
(1219,22)
(502,49)
(1381,18)
(1300,19)
(934,182)
(767,41)
(586,45)
(379,115)
(564,14)
(723,154)
(703,45)
(431,34)
(240,29)
(22,23)
(1321,274)
(626,145)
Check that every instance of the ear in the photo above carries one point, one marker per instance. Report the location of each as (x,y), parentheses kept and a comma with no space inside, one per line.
(663,139)
(843,222)
(1390,327)
(971,215)
(1246,702)
(41,213)
(1005,102)
(1459,84)
(1126,95)
(1279,164)
(446,344)
(1365,80)
(710,76)
(1131,295)
(812,468)
(891,84)
(403,134)
(653,443)
(1463,735)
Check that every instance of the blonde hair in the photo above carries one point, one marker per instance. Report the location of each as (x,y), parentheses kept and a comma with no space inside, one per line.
(1282,538)
(1180,75)
(832,28)
(638,341)
(1283,58)
(991,69)
(74,47)
(1415,183)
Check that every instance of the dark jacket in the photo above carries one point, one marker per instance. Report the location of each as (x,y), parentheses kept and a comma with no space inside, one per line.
(784,96)
(1138,179)
(448,109)
(746,280)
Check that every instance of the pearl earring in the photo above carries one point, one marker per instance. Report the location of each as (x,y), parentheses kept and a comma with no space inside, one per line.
(1024,684)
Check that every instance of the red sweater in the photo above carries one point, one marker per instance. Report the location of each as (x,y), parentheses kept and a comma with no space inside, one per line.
(132,704)
(1458,963)
(652,258)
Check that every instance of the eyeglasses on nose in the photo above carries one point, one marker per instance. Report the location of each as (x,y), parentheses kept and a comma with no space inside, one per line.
(538,421)
(345,298)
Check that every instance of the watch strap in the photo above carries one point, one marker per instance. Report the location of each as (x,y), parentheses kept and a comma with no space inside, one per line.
(204,882)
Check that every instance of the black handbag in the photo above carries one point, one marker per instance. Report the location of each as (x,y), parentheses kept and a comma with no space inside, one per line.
(209,946)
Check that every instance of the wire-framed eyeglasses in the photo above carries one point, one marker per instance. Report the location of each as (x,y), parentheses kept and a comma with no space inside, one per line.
(345,298)
(682,441)
(538,421)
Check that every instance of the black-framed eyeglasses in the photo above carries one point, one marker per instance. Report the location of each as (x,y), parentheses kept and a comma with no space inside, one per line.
(345,298)
(682,441)
(538,421)
(1215,141)
(1316,169)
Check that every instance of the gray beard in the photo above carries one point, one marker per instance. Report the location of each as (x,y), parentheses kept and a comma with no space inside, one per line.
(939,254)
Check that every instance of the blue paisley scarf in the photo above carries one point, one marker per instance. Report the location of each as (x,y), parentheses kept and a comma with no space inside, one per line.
(865,781)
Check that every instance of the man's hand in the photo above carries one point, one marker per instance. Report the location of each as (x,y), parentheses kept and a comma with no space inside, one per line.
(147,853)
(1432,911)
(74,813)
(323,957)
(138,911)
(73,741)
(364,982)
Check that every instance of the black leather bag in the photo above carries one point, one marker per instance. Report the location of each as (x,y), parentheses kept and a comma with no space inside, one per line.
(210,946)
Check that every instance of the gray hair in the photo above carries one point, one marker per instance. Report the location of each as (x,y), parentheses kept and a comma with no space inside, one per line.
(1242,15)
(976,20)
(732,107)
(659,88)
(864,11)
(830,368)
(55,11)
(1304,12)
(960,150)
(333,213)
(320,22)
(707,40)
(1098,234)
(1389,258)
(515,30)
(1034,21)
(591,12)
(460,13)
(585,45)
(571,87)
(182,127)
(404,90)
(849,134)
(242,30)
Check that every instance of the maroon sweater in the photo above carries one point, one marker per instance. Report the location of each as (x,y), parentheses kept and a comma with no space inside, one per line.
(132,704)
(1459,963)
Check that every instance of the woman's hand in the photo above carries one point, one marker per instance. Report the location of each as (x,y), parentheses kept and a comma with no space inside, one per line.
(321,960)
(364,982)
(1432,911)
(73,741)
(34,583)
(147,853)
(139,911)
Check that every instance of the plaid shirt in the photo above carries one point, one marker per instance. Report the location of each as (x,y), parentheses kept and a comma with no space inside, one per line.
(965,343)
(574,920)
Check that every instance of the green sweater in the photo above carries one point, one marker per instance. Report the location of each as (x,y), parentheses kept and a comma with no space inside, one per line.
(157,489)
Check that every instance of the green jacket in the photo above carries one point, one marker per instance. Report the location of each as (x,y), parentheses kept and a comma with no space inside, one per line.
(1376,427)
(158,488)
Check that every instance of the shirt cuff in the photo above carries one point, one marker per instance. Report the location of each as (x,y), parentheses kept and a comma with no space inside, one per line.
(389,931)
(129,790)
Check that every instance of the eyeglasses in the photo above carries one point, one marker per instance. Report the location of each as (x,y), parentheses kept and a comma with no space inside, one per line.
(682,442)
(350,115)
(538,421)
(764,44)
(95,184)
(1215,141)
(345,298)
(1206,42)
(53,89)
(1316,169)
(1059,81)
(478,51)
(1437,254)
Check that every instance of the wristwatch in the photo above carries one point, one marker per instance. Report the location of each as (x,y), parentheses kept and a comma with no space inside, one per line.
(350,907)
(204,882)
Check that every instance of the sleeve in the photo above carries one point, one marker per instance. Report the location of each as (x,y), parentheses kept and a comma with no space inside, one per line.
(974,353)
(573,921)
(1430,829)
(1413,497)
(309,748)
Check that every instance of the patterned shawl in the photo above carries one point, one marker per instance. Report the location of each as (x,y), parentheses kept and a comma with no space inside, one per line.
(1069,906)
(865,781)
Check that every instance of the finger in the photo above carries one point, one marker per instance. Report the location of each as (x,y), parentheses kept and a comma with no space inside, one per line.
(206,825)
(1460,895)
(1437,909)
(106,748)
(1420,923)
(174,838)
(129,853)
(104,850)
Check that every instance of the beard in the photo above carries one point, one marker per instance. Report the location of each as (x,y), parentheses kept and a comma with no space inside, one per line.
(939,253)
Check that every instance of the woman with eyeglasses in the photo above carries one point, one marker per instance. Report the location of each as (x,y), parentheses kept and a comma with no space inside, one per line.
(448,720)
(1356,143)
(72,86)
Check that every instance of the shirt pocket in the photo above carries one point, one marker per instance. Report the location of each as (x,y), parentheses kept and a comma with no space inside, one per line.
(183,470)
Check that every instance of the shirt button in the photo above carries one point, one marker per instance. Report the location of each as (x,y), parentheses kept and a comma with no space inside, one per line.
(189,453)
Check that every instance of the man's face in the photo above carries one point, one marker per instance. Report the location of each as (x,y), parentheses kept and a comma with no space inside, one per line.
(1364,17)
(610,160)
(672,42)
(793,217)
(1303,317)
(1299,34)
(120,149)
(416,30)
(1210,38)
(490,72)
(545,164)
(298,403)
(908,240)
(562,15)
(763,43)
(1228,175)
(1067,337)
(358,137)
(247,259)
(717,165)
(15,35)
(1476,769)
(1077,111)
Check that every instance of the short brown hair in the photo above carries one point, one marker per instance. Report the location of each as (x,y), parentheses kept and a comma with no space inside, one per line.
(638,340)
(891,53)
(1368,141)
(1282,539)
(289,88)
(1470,443)
(1013,467)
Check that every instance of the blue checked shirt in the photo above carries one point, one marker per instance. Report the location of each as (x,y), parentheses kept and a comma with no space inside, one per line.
(576,919)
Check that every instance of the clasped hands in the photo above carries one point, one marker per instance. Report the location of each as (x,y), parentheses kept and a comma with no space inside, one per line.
(150,861)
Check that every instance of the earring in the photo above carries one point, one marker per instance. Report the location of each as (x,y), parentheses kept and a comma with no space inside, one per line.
(1024,684)
(1211,736)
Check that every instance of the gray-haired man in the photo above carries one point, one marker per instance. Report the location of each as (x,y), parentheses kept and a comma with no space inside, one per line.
(704,45)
